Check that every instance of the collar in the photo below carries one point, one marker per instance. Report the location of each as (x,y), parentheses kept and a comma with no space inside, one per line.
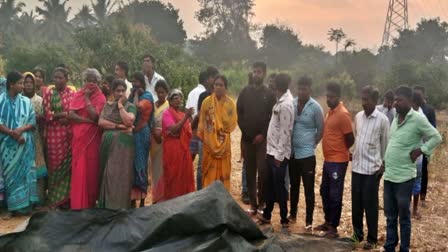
(374,113)
(285,96)
(408,116)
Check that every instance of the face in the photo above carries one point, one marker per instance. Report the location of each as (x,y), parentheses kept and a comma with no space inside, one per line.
(119,72)
(18,86)
(59,80)
(211,81)
(119,92)
(402,104)
(105,87)
(28,85)
(161,94)
(176,101)
(91,80)
(367,103)
(419,97)
(136,83)
(39,79)
(388,103)
(148,65)
(332,100)
(303,92)
(258,75)
(219,88)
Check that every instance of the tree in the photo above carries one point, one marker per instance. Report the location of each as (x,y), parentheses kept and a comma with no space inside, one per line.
(336,35)
(349,43)
(25,27)
(83,18)
(9,10)
(102,9)
(227,30)
(54,13)
(279,45)
(163,19)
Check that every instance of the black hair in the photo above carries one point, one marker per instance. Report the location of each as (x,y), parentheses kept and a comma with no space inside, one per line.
(334,88)
(305,81)
(118,82)
(223,78)
(282,82)
(41,71)
(372,93)
(61,70)
(140,77)
(404,91)
(12,78)
(420,88)
(162,84)
(389,95)
(109,79)
(123,65)
(261,65)
(203,77)
(147,55)
(211,71)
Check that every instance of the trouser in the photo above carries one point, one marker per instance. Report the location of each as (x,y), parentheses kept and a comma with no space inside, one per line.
(332,190)
(244,178)
(365,199)
(397,203)
(256,163)
(305,170)
(424,175)
(199,170)
(274,189)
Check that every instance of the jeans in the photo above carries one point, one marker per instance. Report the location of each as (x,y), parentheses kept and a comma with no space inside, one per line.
(275,190)
(305,170)
(424,175)
(243,178)
(255,165)
(332,191)
(199,170)
(397,203)
(365,199)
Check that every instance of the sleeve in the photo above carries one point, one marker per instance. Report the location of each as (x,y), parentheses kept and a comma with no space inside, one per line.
(432,117)
(48,114)
(431,134)
(286,118)
(319,121)
(384,138)
(346,124)
(240,109)
(270,105)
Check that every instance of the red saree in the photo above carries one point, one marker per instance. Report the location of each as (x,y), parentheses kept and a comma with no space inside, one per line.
(85,151)
(178,178)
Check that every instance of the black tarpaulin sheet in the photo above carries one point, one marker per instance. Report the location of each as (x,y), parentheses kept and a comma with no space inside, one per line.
(207,220)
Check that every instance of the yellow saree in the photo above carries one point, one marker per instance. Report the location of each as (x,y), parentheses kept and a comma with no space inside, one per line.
(217,120)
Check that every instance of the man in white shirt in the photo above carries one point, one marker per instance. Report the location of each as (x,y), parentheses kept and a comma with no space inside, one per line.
(387,108)
(121,72)
(372,136)
(151,76)
(278,151)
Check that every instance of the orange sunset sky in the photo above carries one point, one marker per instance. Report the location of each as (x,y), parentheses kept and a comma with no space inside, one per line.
(362,20)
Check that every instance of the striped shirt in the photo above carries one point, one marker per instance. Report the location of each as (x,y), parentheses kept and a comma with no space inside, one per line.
(308,128)
(371,137)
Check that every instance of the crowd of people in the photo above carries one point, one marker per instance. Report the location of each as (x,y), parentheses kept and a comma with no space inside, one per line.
(107,143)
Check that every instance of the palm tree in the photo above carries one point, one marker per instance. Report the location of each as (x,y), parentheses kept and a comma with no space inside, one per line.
(26,26)
(84,18)
(102,9)
(55,14)
(336,35)
(9,10)
(349,43)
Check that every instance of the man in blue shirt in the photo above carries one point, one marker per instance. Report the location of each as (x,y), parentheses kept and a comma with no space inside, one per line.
(307,133)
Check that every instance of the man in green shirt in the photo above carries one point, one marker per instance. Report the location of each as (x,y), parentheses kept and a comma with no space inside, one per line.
(405,146)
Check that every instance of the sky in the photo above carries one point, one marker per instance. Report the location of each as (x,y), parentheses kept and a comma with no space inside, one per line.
(361,20)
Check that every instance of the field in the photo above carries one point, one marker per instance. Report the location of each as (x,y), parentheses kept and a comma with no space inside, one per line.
(428,234)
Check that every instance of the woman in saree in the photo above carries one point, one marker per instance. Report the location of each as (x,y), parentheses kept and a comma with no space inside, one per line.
(58,139)
(29,91)
(178,178)
(217,120)
(117,150)
(144,102)
(39,75)
(156,166)
(17,121)
(85,109)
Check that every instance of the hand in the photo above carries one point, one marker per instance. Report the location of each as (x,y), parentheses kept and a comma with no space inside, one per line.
(64,121)
(140,91)
(14,134)
(122,100)
(121,127)
(21,140)
(380,172)
(277,163)
(258,139)
(415,154)
(88,92)
(189,112)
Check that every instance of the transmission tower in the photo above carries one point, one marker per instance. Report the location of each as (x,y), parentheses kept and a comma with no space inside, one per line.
(396,20)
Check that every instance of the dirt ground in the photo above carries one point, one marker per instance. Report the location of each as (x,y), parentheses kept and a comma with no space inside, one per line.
(428,234)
